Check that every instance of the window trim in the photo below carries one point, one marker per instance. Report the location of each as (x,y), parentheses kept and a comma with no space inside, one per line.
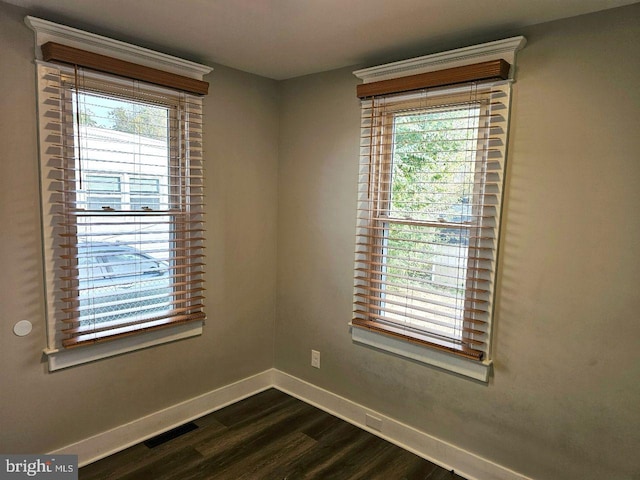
(477,370)
(506,49)
(46,31)
(59,359)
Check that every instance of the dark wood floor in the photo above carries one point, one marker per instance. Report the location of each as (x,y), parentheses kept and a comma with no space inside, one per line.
(269,436)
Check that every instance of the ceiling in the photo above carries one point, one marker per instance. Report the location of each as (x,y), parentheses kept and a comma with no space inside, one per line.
(282,39)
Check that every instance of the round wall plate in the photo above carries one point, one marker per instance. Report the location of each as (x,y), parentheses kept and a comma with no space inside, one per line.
(22,328)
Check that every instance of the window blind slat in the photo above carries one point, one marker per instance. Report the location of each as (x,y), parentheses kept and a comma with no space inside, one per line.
(420,323)
(381,286)
(418,310)
(105,297)
(440,343)
(115,333)
(96,321)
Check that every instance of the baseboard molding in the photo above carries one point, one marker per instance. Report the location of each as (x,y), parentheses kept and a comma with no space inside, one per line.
(112,441)
(426,446)
(446,455)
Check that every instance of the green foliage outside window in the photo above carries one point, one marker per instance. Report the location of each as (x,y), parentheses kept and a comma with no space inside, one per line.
(433,167)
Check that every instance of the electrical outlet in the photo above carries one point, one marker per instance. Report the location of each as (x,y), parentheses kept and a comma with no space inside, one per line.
(315,358)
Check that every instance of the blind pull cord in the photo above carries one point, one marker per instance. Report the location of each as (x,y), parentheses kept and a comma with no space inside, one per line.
(77,102)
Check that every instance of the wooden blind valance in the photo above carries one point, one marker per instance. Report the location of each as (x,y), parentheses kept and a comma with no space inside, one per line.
(57,52)
(494,69)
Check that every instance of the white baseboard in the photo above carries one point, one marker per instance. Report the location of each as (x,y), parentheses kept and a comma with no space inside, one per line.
(112,441)
(446,455)
(422,444)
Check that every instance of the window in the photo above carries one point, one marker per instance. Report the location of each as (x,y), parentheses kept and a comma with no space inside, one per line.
(130,229)
(109,191)
(429,203)
(144,193)
(427,212)
(122,193)
(102,191)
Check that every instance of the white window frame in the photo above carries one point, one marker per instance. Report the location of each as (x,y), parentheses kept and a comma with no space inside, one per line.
(46,31)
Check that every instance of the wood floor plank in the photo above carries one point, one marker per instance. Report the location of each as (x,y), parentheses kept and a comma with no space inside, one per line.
(372,469)
(325,424)
(284,454)
(360,453)
(252,407)
(442,474)
(406,466)
(166,467)
(208,420)
(118,464)
(245,434)
(330,449)
(257,441)
(269,436)
(254,464)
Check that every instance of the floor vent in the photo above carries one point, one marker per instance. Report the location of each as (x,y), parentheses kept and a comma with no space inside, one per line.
(170,435)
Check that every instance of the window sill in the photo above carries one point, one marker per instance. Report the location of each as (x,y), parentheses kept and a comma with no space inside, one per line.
(477,370)
(60,359)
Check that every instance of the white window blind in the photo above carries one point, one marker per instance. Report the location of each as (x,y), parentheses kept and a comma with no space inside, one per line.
(429,202)
(122,205)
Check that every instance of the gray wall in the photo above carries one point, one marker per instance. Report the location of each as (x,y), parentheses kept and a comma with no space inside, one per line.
(564,401)
(281,164)
(39,411)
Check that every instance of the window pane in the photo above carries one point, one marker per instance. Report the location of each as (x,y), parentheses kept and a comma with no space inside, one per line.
(124,146)
(424,265)
(97,202)
(423,278)
(102,183)
(144,185)
(433,162)
(122,115)
(137,203)
(144,193)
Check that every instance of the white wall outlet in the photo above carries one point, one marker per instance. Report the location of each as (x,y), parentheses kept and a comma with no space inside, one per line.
(373,422)
(315,358)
